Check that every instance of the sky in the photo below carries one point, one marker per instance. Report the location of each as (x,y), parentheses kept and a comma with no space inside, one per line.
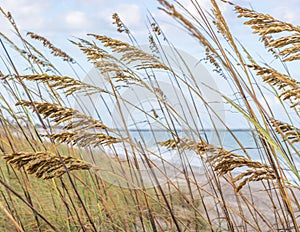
(60,20)
(67,19)
(77,17)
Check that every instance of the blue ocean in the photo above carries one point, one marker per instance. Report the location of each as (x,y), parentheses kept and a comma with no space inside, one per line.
(243,142)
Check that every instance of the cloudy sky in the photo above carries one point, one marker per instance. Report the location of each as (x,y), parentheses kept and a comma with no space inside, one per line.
(66,19)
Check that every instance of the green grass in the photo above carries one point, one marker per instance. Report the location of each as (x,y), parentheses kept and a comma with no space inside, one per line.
(109,206)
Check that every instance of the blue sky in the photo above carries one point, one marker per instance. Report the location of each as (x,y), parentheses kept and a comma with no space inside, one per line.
(62,20)
(66,19)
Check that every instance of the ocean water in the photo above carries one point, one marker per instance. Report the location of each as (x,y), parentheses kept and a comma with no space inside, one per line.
(233,141)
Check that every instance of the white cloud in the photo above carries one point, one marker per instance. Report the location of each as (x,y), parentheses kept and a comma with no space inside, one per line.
(130,14)
(28,14)
(286,14)
(204,4)
(91,3)
(76,20)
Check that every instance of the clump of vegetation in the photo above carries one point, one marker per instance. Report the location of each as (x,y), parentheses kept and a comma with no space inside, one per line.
(47,183)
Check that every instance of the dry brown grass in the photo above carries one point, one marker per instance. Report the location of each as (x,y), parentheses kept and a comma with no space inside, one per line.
(232,191)
(59,114)
(44,164)
(54,50)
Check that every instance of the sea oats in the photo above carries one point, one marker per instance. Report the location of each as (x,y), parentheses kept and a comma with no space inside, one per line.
(253,175)
(70,118)
(69,84)
(196,197)
(289,87)
(211,54)
(287,131)
(131,54)
(44,164)
(191,28)
(153,46)
(268,27)
(107,64)
(224,161)
(37,60)
(83,138)
(155,28)
(121,27)
(54,50)
(183,143)
(275,78)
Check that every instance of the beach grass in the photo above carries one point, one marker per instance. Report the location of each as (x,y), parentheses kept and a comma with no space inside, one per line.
(64,169)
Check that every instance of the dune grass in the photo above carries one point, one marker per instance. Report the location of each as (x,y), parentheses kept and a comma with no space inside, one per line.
(48,184)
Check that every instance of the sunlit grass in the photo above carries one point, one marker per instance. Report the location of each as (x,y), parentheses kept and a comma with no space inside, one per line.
(91,175)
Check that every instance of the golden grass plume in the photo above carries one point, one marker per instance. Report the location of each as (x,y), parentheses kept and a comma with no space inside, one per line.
(121,27)
(69,84)
(267,27)
(290,88)
(131,54)
(224,161)
(72,119)
(288,132)
(83,138)
(44,164)
(54,50)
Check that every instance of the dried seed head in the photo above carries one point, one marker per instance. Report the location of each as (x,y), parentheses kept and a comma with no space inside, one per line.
(289,86)
(72,119)
(84,139)
(121,27)
(268,27)
(45,164)
(155,28)
(131,54)
(287,131)
(54,50)
(69,84)
(224,161)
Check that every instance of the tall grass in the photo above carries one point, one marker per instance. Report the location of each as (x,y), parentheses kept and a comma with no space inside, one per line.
(65,169)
